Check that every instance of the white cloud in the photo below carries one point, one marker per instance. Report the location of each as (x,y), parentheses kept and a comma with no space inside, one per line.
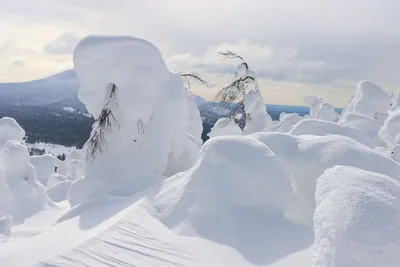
(18,61)
(313,45)
(63,44)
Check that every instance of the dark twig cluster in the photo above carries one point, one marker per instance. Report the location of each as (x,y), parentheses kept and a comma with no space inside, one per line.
(104,123)
(187,77)
(235,93)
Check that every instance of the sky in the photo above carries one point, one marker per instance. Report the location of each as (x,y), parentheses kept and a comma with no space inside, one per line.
(297,48)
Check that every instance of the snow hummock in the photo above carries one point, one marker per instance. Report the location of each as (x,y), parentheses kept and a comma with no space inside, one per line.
(10,130)
(370,100)
(390,129)
(357,218)
(306,157)
(322,128)
(258,119)
(28,193)
(369,125)
(287,121)
(225,126)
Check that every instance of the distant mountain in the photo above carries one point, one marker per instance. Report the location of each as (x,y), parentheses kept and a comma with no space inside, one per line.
(50,111)
(58,90)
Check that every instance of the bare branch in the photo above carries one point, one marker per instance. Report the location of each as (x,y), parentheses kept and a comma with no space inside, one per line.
(188,76)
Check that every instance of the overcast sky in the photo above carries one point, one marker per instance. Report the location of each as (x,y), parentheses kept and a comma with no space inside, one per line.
(298,48)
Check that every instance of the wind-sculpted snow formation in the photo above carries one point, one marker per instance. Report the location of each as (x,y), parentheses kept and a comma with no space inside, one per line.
(144,190)
(370,100)
(141,109)
(10,130)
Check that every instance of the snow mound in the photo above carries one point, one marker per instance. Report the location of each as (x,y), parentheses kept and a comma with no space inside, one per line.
(305,158)
(258,119)
(364,123)
(45,165)
(313,102)
(322,128)
(357,218)
(143,125)
(10,130)
(220,196)
(370,100)
(287,121)
(225,126)
(390,129)
(20,176)
(326,112)
(6,223)
(58,192)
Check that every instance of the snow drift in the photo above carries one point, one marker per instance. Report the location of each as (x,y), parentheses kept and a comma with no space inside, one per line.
(305,158)
(357,218)
(322,128)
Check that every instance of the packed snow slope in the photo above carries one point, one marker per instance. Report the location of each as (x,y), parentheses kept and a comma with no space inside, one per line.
(321,190)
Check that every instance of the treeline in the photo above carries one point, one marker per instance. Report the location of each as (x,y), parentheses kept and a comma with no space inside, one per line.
(44,124)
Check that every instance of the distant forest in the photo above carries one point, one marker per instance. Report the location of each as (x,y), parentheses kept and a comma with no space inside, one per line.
(45,124)
(56,126)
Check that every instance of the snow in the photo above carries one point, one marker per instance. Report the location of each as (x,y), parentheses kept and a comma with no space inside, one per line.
(287,121)
(45,165)
(390,129)
(257,119)
(322,128)
(69,109)
(369,125)
(370,100)
(54,149)
(58,192)
(225,126)
(148,105)
(306,157)
(10,130)
(20,176)
(356,219)
(302,191)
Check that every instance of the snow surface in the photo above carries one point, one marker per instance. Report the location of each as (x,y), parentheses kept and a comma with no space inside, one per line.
(357,219)
(322,128)
(370,100)
(10,130)
(301,192)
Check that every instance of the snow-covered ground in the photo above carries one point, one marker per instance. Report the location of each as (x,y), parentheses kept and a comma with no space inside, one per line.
(320,191)
(53,149)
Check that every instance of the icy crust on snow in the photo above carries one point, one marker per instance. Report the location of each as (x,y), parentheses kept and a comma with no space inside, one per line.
(370,100)
(369,125)
(225,126)
(305,158)
(322,128)
(390,129)
(356,221)
(10,130)
(149,105)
